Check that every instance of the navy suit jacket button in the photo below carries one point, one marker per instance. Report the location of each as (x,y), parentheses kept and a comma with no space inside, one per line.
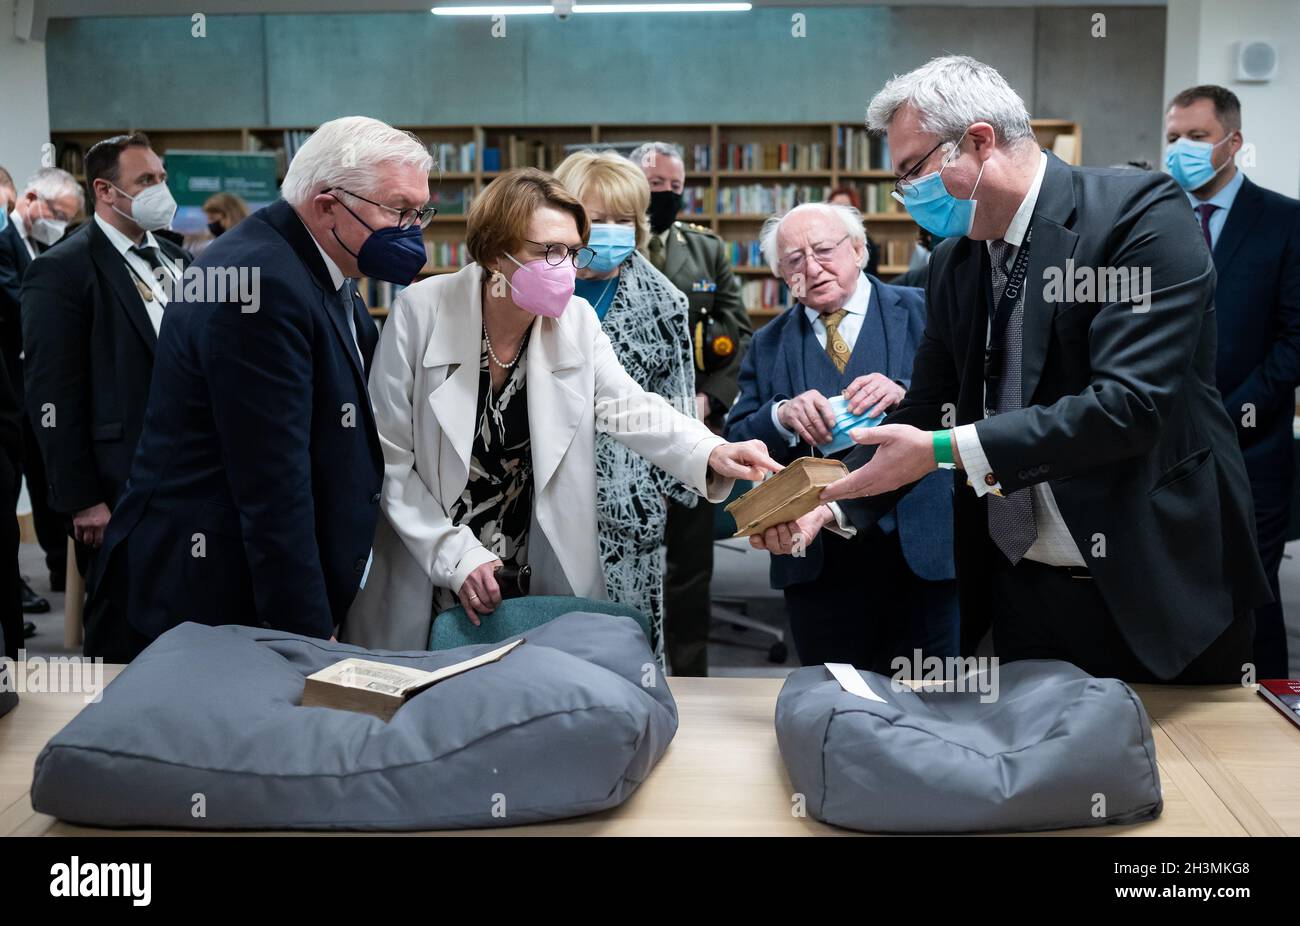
(360,565)
(374,499)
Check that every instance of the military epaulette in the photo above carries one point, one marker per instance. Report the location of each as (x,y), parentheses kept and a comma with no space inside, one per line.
(701,229)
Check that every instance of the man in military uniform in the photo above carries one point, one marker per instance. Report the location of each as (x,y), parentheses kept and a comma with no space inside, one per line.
(696,260)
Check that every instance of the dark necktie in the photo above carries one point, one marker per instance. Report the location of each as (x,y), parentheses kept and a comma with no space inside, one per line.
(1205,210)
(350,320)
(1011,517)
(657,254)
(160,280)
(150,255)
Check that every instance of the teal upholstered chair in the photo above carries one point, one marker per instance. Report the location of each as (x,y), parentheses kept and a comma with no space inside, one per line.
(514,616)
(733,610)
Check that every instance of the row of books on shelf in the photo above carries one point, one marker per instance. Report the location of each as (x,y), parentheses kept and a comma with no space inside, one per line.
(895,252)
(773,156)
(452,200)
(521,152)
(379,293)
(860,150)
(875,196)
(752,198)
(701,158)
(447,253)
(293,140)
(765,294)
(452,157)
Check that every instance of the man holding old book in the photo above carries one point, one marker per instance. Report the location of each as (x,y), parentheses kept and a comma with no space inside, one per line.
(841,355)
(1103,511)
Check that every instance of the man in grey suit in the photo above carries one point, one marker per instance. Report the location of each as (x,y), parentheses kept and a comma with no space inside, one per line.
(1102,511)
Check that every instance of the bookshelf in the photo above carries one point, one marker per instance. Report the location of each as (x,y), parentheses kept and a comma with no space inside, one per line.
(736,175)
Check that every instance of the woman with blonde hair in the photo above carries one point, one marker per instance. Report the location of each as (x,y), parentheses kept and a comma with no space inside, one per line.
(646,320)
(489,388)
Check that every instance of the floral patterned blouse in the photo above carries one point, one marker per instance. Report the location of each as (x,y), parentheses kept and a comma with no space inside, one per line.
(497,502)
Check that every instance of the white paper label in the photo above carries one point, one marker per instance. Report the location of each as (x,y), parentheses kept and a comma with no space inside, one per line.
(852,682)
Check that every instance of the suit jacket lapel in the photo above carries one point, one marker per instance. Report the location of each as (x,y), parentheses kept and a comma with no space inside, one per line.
(556,407)
(22,256)
(455,343)
(281,217)
(113,271)
(1241,217)
(970,325)
(1052,244)
(894,319)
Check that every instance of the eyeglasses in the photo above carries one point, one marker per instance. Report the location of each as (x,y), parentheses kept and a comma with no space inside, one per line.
(821,253)
(58,214)
(903,185)
(405,217)
(557,252)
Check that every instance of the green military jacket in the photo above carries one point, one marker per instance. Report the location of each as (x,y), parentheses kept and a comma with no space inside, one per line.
(696,261)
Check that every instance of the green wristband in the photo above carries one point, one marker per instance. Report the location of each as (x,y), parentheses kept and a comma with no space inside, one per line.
(943,448)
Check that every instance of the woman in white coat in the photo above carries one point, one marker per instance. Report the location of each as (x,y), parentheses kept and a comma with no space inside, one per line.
(489,386)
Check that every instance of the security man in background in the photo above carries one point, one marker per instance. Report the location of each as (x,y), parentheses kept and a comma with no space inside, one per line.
(696,260)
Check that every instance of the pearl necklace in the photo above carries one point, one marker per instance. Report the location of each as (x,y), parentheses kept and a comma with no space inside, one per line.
(493,354)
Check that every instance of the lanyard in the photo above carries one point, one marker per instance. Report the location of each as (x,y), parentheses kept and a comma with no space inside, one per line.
(146,288)
(994,356)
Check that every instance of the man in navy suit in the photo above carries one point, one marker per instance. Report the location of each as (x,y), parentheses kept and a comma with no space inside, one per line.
(255,487)
(856,596)
(1254,235)
(50,199)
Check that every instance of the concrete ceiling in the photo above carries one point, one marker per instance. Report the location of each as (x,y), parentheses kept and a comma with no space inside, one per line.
(70,9)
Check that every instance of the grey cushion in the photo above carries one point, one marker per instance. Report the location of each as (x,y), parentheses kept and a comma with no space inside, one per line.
(561,726)
(1035,758)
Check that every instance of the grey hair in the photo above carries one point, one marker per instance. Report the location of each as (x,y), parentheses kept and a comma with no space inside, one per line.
(644,155)
(53,183)
(950,94)
(851,218)
(344,153)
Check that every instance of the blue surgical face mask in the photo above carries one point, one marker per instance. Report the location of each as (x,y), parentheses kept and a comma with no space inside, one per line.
(1192,162)
(845,421)
(935,209)
(612,244)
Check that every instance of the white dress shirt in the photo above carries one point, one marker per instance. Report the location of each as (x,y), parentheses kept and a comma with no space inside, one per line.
(856,306)
(337,278)
(1054,545)
(16,218)
(140,270)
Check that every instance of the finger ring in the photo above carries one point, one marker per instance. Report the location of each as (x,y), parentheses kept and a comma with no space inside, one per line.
(472,595)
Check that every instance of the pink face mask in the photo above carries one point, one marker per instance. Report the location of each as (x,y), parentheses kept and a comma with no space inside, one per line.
(542,288)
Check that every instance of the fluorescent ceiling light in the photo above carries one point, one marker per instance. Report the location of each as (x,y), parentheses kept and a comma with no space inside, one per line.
(491,10)
(504,10)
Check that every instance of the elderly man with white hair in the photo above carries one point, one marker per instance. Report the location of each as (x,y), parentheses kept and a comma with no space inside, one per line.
(255,489)
(863,596)
(50,200)
(1103,514)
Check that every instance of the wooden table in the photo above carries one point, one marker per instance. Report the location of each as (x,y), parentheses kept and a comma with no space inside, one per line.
(1229,765)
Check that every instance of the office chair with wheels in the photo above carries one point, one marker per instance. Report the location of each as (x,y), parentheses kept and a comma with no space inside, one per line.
(734,611)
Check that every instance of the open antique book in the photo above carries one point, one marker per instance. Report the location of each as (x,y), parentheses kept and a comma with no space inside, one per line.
(380,688)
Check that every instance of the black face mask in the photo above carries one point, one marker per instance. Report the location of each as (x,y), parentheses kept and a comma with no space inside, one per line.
(215,229)
(664,206)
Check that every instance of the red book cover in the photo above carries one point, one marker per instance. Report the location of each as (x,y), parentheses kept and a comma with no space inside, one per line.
(1283,694)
